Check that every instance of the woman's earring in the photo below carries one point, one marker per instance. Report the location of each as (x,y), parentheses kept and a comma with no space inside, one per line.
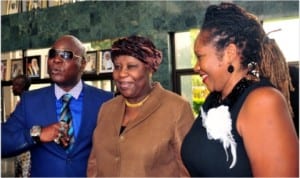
(230,68)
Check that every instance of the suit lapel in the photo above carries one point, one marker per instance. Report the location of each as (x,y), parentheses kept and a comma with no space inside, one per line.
(118,114)
(151,105)
(50,111)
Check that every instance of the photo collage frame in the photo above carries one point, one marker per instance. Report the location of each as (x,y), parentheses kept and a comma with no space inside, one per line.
(17,6)
(35,66)
(32,66)
(98,62)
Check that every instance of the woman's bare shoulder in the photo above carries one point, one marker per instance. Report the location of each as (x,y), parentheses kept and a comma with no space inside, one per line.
(265,97)
(263,106)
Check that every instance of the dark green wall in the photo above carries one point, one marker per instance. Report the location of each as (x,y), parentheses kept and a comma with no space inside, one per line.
(99,20)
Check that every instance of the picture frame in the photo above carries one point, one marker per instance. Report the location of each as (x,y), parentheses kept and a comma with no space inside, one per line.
(16,68)
(32,66)
(52,3)
(45,73)
(3,69)
(106,64)
(30,5)
(13,6)
(91,63)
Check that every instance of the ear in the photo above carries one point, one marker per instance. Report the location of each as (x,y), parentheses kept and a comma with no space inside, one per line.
(149,69)
(83,63)
(230,52)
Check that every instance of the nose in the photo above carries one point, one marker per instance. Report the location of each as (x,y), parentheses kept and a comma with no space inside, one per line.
(56,59)
(123,72)
(120,71)
(197,66)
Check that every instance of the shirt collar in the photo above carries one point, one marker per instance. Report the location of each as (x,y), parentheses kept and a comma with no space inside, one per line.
(75,91)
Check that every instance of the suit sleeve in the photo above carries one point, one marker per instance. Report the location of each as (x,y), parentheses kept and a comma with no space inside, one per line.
(15,136)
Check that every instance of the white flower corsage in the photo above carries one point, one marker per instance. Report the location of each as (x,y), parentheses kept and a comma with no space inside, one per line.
(218,124)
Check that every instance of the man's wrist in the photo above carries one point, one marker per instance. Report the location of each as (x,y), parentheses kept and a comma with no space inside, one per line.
(35,133)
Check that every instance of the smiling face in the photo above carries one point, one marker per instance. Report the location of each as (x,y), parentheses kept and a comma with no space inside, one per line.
(132,77)
(210,64)
(66,73)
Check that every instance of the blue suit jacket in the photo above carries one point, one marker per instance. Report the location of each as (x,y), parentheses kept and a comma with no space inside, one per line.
(50,159)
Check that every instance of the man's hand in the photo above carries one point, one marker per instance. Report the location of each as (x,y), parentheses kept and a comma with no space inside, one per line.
(57,132)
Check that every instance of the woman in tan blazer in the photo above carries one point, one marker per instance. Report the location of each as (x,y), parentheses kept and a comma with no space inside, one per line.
(139,132)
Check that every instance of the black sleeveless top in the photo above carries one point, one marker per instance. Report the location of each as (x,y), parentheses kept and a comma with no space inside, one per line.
(205,157)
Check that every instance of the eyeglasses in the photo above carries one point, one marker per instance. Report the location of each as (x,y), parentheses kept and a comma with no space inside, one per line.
(65,55)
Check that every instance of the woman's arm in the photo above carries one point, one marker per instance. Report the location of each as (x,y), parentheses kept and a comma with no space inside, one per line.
(270,139)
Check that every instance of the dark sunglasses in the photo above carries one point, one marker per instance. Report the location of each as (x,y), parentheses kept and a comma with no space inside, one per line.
(65,55)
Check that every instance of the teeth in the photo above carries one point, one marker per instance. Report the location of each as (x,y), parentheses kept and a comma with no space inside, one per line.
(204,76)
(124,84)
(55,71)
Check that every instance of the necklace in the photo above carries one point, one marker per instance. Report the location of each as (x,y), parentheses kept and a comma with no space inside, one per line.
(134,105)
(236,92)
(214,99)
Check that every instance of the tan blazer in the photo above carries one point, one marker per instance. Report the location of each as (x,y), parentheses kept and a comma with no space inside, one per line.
(149,146)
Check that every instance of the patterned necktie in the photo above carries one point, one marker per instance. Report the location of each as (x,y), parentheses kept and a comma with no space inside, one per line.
(66,117)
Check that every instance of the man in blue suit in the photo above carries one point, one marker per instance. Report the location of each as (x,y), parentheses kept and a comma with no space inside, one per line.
(35,125)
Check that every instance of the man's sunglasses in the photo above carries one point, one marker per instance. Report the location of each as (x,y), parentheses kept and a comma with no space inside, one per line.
(65,55)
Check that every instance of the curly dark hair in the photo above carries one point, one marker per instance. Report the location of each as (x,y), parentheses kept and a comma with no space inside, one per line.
(229,23)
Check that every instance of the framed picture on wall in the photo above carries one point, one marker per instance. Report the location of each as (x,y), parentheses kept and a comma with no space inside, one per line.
(106,64)
(58,3)
(13,6)
(45,67)
(33,66)
(91,63)
(16,67)
(3,69)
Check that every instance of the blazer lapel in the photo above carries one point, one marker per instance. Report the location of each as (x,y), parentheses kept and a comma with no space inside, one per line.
(118,114)
(50,107)
(152,104)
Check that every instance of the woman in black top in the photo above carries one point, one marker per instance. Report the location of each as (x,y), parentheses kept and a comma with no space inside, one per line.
(245,127)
